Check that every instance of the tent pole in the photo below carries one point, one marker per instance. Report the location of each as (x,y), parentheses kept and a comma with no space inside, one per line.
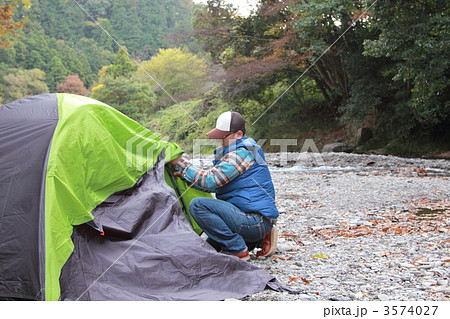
(180,197)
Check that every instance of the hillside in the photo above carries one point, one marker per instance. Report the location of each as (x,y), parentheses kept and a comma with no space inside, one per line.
(321,70)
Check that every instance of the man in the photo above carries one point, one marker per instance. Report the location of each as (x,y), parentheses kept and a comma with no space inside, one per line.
(243,214)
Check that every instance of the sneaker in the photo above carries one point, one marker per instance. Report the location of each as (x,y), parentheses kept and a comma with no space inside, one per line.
(269,245)
(245,255)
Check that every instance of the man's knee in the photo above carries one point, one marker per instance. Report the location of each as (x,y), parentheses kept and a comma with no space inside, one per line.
(202,206)
(195,206)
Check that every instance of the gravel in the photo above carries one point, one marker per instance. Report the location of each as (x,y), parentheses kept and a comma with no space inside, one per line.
(359,227)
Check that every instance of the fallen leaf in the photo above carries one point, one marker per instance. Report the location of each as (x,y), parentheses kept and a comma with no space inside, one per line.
(287,235)
(306,281)
(387,253)
(320,256)
(294,278)
(299,242)
(276,257)
(416,260)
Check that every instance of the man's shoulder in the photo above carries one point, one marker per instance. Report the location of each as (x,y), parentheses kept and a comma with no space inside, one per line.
(244,152)
(239,156)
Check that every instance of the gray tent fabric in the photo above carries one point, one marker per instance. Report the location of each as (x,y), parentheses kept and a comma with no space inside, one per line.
(26,131)
(150,252)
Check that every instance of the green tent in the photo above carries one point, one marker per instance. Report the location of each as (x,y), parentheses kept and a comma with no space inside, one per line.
(63,158)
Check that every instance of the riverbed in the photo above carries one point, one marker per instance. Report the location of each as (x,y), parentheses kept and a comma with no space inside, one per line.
(360,227)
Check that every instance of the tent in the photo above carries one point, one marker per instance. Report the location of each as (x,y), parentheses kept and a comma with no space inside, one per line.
(89,211)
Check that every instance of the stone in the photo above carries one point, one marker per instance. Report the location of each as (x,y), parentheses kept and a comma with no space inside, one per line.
(383,297)
(335,147)
(363,135)
(306,297)
(319,204)
(359,294)
(340,298)
(282,247)
(360,223)
(317,228)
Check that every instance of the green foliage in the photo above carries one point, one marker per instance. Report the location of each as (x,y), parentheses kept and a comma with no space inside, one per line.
(143,25)
(101,32)
(415,36)
(126,23)
(369,91)
(36,50)
(123,66)
(174,75)
(267,119)
(96,56)
(189,121)
(277,47)
(23,83)
(56,72)
(383,64)
(290,67)
(66,31)
(59,19)
(419,147)
(133,98)
(96,8)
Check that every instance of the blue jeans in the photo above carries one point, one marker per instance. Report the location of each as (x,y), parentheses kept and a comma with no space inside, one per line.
(229,229)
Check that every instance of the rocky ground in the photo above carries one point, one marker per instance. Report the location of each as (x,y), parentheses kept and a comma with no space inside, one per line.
(360,227)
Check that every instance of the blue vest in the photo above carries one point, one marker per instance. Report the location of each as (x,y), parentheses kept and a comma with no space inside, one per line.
(253,190)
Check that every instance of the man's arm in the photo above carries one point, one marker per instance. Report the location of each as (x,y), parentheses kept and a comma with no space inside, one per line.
(232,165)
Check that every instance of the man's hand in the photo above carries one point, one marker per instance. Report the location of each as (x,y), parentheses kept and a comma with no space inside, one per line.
(174,171)
(177,173)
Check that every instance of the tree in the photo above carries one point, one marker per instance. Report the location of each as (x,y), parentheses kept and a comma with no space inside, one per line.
(73,85)
(216,27)
(182,75)
(415,36)
(23,83)
(96,8)
(153,17)
(96,56)
(101,32)
(126,24)
(8,27)
(291,37)
(133,98)
(123,66)
(56,72)
(61,20)
(74,62)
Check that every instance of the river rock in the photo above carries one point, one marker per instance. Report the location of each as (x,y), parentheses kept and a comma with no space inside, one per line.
(335,147)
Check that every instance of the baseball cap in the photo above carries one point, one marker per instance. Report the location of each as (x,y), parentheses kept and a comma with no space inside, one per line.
(227,122)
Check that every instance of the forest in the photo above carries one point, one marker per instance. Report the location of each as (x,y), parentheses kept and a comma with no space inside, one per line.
(296,69)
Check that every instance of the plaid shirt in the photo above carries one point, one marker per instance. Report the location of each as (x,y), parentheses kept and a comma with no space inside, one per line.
(231,165)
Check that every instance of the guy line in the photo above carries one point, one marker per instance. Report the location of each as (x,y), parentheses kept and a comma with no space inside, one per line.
(315,61)
(134,60)
(134,242)
(137,63)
